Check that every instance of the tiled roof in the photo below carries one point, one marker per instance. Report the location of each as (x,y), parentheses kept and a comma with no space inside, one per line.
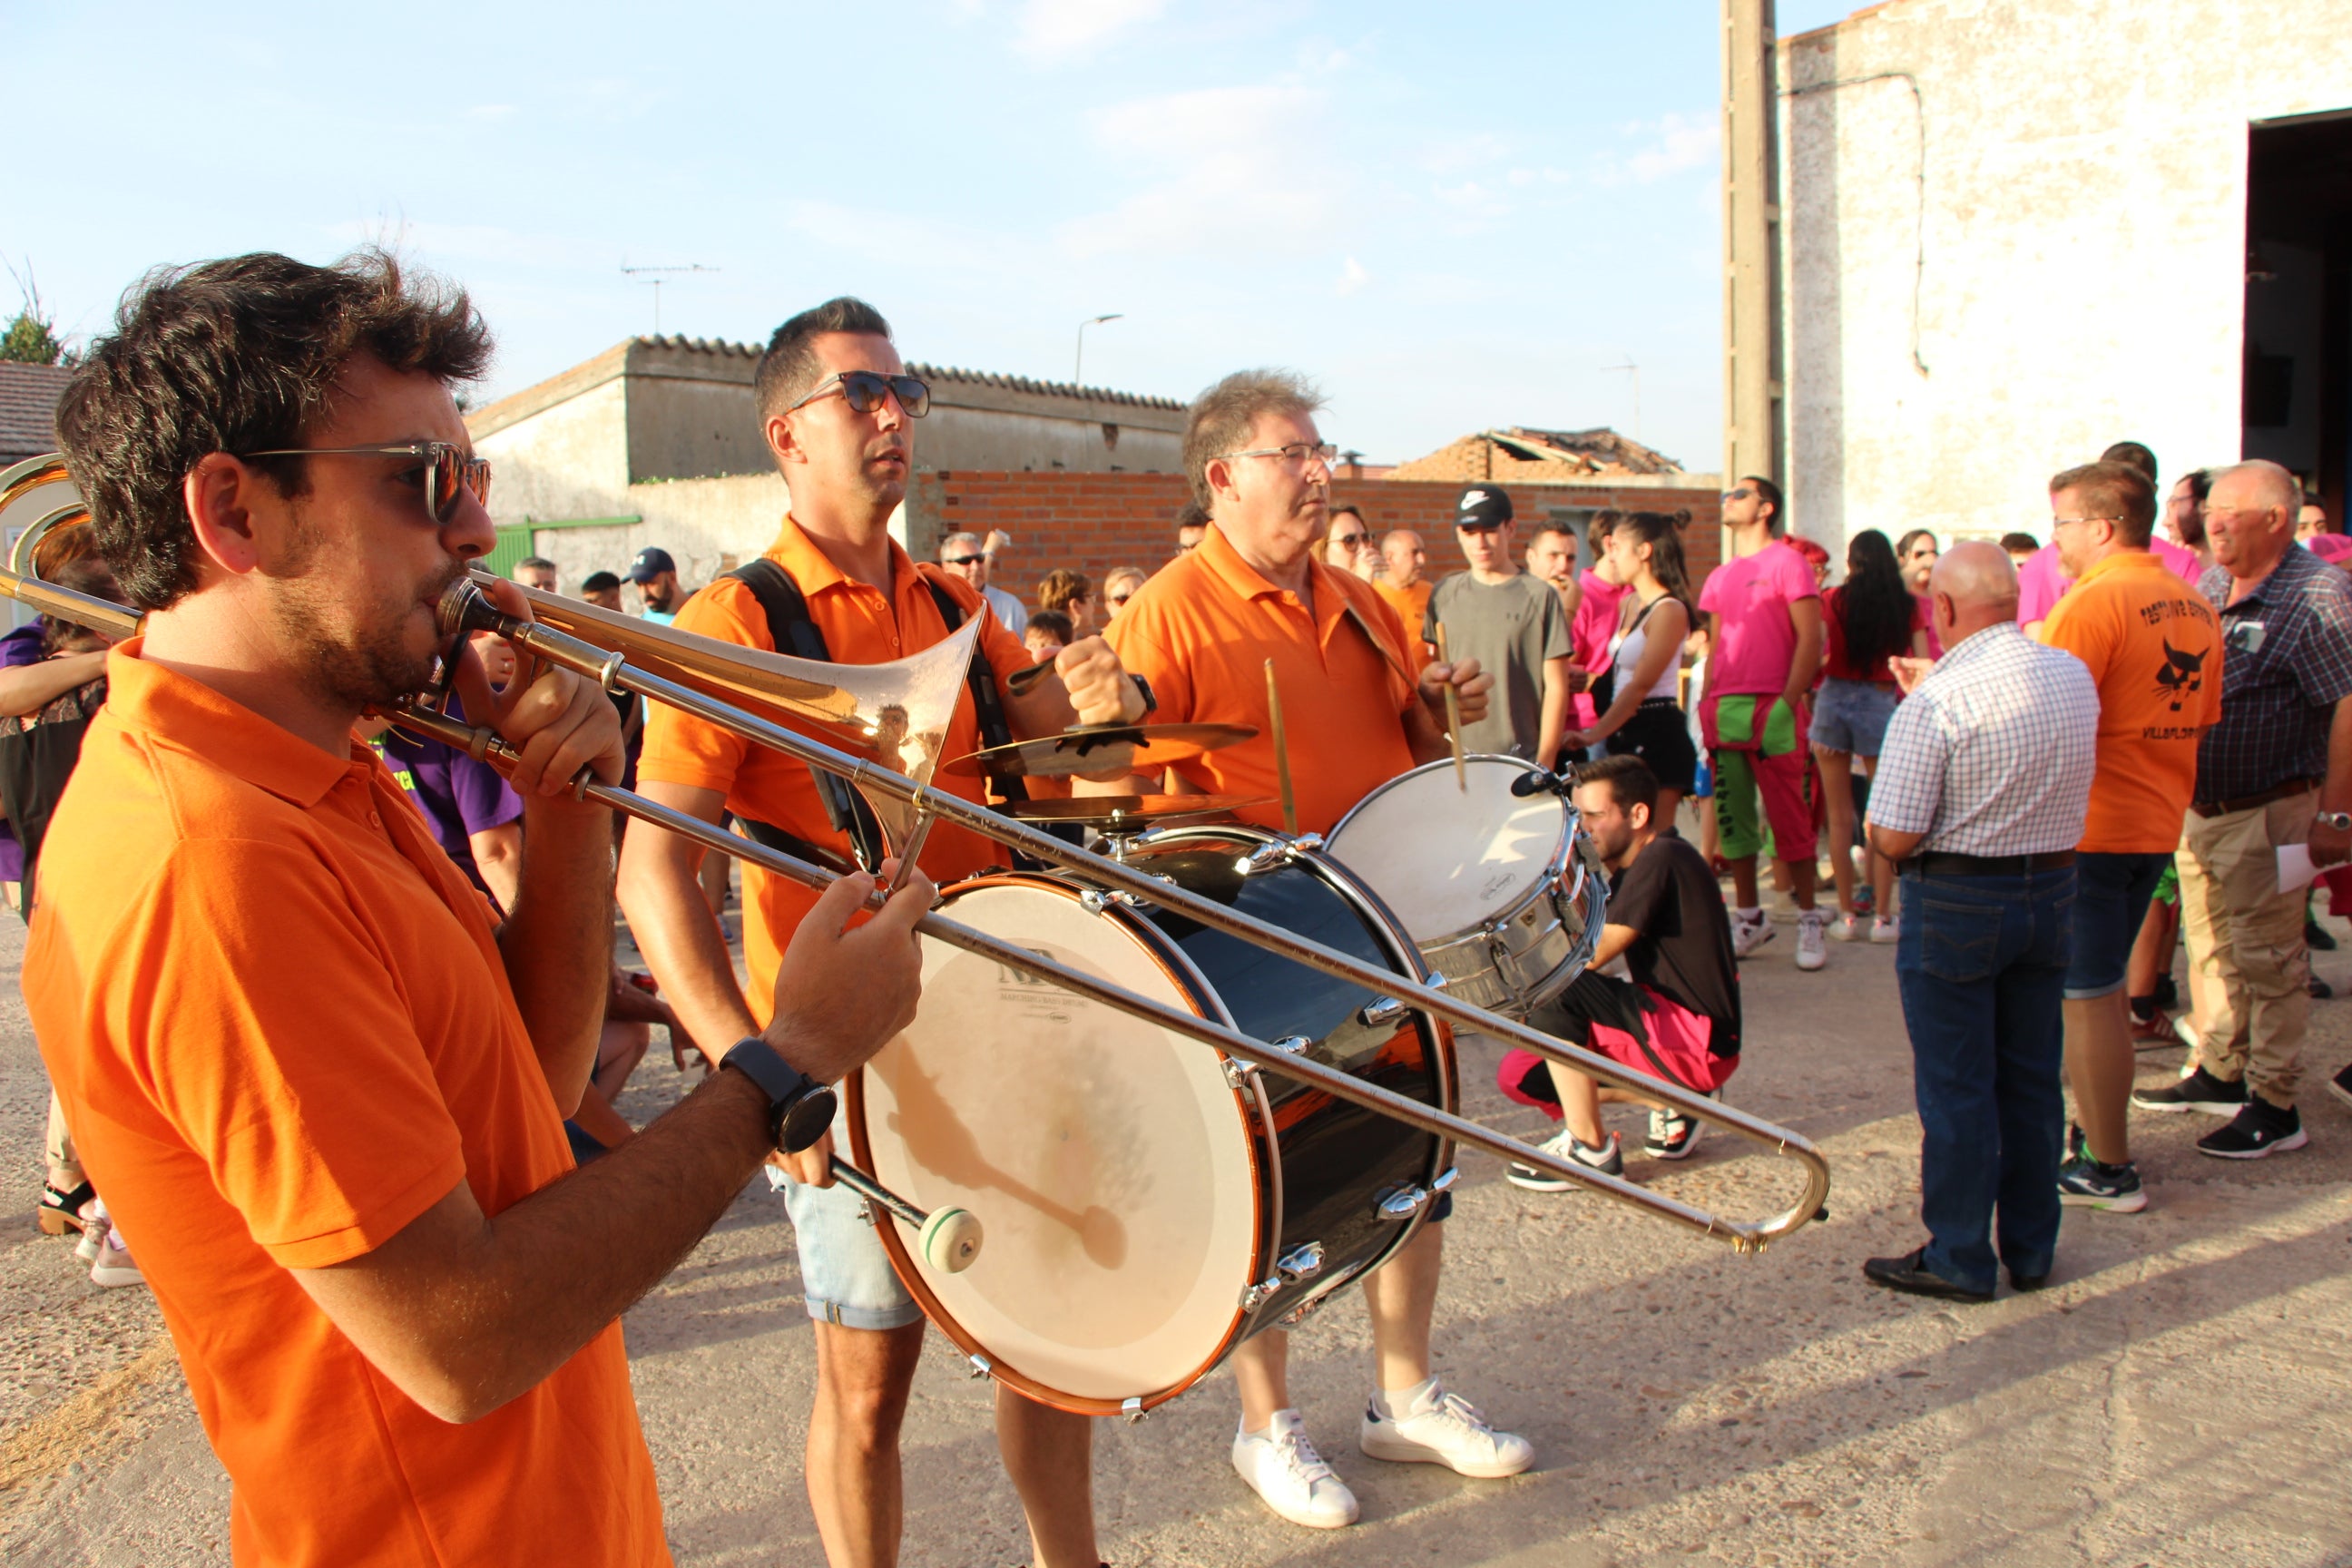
(29,408)
(938,373)
(1539,456)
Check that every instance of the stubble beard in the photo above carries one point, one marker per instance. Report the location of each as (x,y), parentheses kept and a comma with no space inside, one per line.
(366,664)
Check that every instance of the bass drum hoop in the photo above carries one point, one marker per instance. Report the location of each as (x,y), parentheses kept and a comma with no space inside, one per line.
(1251,1106)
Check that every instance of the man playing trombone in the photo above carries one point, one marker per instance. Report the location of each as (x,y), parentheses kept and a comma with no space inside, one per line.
(316,1082)
(837,409)
(1201,631)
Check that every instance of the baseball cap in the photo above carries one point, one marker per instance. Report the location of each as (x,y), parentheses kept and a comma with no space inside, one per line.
(650,563)
(1482,506)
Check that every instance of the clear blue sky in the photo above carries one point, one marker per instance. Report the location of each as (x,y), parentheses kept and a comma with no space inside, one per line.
(1453,217)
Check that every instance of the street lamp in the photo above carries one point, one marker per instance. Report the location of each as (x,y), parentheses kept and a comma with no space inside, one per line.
(1079,370)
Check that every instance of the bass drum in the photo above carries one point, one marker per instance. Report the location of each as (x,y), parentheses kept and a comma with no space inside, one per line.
(1150,1202)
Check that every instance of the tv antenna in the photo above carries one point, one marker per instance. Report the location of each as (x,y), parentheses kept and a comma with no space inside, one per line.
(654,276)
(1630,365)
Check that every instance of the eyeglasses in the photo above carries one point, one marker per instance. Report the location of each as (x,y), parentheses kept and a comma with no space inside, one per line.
(971,559)
(1118,599)
(1299,453)
(1351,541)
(1742,493)
(447,471)
(2064,521)
(865,389)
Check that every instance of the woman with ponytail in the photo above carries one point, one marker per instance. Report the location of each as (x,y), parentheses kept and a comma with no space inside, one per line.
(1869,619)
(1645,716)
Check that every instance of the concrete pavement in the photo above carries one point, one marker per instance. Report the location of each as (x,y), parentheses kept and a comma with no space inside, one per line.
(2175,1399)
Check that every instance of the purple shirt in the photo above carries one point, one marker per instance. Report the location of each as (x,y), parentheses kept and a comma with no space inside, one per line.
(20,646)
(458,795)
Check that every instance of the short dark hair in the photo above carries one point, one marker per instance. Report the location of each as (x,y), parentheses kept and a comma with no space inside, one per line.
(236,355)
(1221,417)
(536,562)
(2116,489)
(1191,514)
(599,583)
(1771,494)
(1603,524)
(2133,453)
(789,370)
(1630,782)
(1350,508)
(84,574)
(1053,621)
(2016,541)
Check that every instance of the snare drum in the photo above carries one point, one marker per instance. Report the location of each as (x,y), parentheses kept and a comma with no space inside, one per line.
(1504,893)
(1150,1202)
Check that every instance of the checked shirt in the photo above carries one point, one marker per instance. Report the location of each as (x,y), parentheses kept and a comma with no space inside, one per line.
(2287,663)
(1992,754)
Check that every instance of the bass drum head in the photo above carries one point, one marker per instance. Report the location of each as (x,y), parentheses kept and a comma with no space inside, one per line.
(1446,861)
(1106,1158)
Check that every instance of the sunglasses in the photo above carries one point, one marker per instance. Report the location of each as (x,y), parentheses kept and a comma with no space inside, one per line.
(448,471)
(1352,541)
(1739,494)
(965,560)
(866,389)
(1118,599)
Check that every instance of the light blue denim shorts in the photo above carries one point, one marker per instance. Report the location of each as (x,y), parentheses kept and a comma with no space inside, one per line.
(845,1273)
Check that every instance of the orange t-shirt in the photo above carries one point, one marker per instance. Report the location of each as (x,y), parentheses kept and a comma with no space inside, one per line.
(2154,648)
(1411,605)
(860,627)
(281,1030)
(1201,631)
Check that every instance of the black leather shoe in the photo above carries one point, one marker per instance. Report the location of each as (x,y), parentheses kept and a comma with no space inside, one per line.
(1911,1275)
(2028,1281)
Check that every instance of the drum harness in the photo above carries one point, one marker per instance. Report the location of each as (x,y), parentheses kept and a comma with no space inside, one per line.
(792,630)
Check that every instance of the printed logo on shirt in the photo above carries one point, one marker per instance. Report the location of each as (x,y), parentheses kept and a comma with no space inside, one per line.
(2182,676)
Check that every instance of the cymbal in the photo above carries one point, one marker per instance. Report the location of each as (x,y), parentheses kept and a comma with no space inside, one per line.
(1108,812)
(1096,748)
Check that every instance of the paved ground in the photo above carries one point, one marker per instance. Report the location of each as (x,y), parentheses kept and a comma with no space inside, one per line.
(2176,1398)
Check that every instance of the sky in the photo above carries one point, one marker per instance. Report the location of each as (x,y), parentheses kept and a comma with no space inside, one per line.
(1451,217)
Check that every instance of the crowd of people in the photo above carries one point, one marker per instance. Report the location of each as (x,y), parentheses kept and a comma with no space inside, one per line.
(393,1252)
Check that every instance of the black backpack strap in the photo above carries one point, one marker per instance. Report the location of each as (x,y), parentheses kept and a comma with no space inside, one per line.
(793,632)
(995,729)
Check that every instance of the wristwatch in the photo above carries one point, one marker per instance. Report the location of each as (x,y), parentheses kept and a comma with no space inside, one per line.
(2338,821)
(799,1108)
(1143,689)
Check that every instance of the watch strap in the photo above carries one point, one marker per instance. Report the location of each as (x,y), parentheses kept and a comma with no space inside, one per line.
(792,1093)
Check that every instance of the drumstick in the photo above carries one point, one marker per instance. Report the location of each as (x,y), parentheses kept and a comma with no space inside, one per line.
(1452,717)
(1281,752)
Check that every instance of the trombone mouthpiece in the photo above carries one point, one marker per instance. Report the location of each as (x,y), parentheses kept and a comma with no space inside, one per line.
(464,609)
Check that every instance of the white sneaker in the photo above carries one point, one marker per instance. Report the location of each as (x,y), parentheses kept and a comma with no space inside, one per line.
(114,1266)
(1884,932)
(1442,1428)
(1283,1468)
(1812,952)
(1748,935)
(1609,1159)
(1846,927)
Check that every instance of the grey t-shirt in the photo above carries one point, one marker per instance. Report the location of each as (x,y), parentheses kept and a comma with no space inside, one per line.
(1510,628)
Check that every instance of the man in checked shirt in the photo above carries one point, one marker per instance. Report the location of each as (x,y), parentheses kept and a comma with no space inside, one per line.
(1980,797)
(2276,770)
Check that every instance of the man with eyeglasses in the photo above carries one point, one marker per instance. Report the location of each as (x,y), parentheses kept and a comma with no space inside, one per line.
(318,1084)
(2276,770)
(1361,708)
(838,410)
(963,554)
(1348,545)
(1763,612)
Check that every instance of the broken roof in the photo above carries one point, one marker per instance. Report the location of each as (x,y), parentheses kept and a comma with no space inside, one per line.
(1528,454)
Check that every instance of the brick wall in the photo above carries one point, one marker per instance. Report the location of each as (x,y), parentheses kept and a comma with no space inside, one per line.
(1098,522)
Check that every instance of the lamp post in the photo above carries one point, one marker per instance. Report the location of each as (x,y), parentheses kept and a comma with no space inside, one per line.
(1079,370)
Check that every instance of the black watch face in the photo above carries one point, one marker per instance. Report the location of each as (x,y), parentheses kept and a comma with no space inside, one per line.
(805,1119)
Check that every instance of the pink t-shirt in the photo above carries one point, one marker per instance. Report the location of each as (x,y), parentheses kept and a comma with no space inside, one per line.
(1589,635)
(1751,595)
(2332,548)
(2041,581)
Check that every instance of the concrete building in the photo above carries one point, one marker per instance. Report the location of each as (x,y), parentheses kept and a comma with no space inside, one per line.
(656,442)
(2014,231)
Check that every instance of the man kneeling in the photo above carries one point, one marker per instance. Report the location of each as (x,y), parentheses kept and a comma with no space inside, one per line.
(1676,1019)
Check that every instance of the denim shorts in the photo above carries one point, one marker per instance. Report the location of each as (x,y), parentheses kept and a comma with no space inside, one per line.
(1851,716)
(845,1273)
(2111,894)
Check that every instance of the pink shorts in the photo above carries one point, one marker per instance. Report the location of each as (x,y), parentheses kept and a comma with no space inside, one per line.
(1678,1036)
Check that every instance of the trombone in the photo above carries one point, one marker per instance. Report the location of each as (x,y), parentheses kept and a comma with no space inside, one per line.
(663,665)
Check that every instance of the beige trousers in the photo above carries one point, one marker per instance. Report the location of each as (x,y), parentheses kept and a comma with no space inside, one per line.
(2249,970)
(57,1149)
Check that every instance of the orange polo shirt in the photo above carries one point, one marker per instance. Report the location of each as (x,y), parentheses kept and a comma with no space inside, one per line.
(860,627)
(2154,648)
(1411,605)
(1201,631)
(277,1019)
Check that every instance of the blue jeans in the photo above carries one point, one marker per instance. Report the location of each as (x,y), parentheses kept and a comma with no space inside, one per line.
(1981,963)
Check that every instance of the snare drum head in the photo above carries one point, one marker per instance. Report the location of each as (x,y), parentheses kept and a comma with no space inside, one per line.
(1445,861)
(1106,1158)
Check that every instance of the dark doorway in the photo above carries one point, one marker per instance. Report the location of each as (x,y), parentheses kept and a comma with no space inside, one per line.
(2298,348)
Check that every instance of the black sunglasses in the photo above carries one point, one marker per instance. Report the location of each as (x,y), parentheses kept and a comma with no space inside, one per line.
(972,560)
(447,469)
(866,389)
